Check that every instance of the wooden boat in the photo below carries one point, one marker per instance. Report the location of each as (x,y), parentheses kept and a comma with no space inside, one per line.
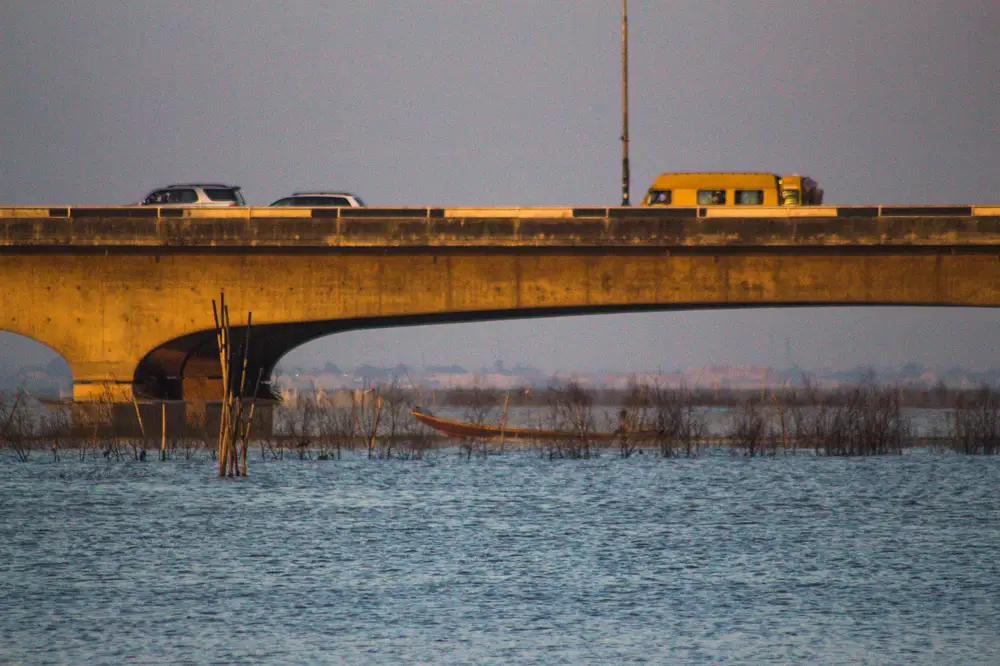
(485,431)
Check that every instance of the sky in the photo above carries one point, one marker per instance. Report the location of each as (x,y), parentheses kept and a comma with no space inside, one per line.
(518,103)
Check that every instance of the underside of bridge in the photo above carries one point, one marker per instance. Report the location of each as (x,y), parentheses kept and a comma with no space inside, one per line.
(189,367)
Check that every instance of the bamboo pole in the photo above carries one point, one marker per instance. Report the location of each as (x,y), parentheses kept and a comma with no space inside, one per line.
(230,449)
(246,431)
(163,433)
(239,426)
(138,416)
(234,417)
(221,341)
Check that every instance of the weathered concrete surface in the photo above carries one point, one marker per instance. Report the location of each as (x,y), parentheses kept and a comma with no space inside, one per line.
(127,301)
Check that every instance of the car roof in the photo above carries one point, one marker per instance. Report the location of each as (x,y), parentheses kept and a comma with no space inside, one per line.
(232,187)
(321,194)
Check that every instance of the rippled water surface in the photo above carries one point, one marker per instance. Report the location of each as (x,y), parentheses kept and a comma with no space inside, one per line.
(507,560)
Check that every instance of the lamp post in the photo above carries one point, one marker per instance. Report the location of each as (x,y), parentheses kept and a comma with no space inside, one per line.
(625,173)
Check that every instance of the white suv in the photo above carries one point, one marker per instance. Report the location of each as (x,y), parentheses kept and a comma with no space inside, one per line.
(320,199)
(195,195)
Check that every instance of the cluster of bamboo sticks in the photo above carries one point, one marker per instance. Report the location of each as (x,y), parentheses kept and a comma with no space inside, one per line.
(234,418)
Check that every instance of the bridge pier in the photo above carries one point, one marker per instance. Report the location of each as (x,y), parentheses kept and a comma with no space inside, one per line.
(102,390)
(201,389)
(108,381)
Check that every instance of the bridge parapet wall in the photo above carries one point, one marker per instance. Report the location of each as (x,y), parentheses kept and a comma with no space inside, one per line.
(248,228)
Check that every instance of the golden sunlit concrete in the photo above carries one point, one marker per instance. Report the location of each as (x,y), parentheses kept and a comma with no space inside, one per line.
(127,300)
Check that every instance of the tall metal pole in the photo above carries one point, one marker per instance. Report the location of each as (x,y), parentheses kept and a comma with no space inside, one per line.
(625,173)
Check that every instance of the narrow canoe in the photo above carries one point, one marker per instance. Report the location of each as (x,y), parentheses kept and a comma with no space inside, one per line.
(484,431)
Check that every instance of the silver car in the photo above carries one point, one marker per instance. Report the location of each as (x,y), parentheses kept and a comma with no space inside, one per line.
(321,199)
(195,195)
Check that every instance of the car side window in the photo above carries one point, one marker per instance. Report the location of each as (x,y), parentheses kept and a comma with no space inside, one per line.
(321,201)
(185,196)
(220,194)
(157,197)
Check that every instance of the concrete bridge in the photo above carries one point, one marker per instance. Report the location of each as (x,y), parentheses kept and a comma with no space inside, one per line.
(124,294)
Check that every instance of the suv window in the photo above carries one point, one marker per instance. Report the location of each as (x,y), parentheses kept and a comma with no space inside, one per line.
(171,197)
(184,196)
(222,194)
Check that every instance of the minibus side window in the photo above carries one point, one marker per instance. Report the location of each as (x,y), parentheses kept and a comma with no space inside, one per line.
(749,197)
(711,197)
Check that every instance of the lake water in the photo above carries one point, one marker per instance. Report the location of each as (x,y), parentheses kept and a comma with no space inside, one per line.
(508,560)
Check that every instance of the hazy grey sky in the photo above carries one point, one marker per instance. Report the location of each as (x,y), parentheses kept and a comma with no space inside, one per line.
(518,103)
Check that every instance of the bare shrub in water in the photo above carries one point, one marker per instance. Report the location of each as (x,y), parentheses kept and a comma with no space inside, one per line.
(866,421)
(56,428)
(679,431)
(751,431)
(396,404)
(94,422)
(415,440)
(15,426)
(336,429)
(303,425)
(366,409)
(196,435)
(974,424)
(635,418)
(571,409)
(481,407)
